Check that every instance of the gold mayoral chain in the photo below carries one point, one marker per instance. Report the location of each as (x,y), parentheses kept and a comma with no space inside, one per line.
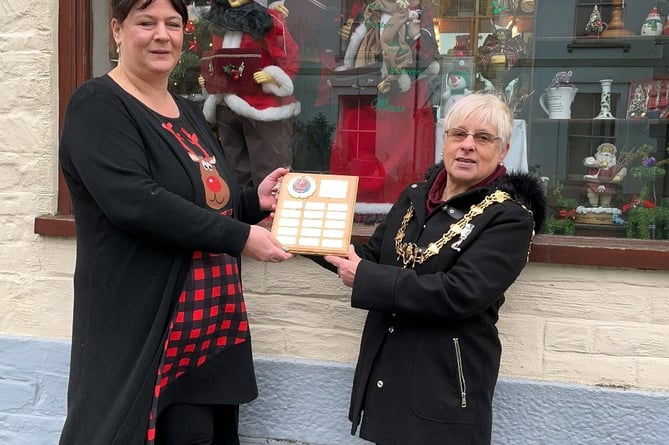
(412,254)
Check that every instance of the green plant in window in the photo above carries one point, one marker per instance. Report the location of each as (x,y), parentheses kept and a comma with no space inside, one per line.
(562,222)
(646,218)
(560,226)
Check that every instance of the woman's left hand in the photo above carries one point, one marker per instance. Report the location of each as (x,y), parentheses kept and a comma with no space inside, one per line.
(346,267)
(268,190)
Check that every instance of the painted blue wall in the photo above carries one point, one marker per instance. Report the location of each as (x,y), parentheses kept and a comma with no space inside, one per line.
(307,402)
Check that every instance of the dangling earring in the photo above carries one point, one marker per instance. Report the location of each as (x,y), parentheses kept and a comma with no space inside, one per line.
(118,48)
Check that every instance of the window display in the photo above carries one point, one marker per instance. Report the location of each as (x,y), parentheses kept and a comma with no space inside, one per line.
(374,78)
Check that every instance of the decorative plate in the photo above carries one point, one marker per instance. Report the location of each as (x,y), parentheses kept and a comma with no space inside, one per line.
(527,6)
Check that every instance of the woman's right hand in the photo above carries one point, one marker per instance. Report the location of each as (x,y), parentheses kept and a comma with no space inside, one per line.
(261,245)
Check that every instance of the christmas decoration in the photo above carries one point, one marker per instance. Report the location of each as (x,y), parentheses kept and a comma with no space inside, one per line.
(605,100)
(594,25)
(197,38)
(234,71)
(652,26)
(648,217)
(500,7)
(637,107)
(190,27)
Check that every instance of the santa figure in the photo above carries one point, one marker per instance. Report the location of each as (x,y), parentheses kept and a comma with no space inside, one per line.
(603,173)
(255,128)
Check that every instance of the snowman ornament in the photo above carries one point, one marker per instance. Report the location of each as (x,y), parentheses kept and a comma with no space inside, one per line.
(652,26)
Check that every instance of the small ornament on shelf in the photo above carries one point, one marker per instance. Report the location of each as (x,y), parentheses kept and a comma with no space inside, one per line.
(652,26)
(605,100)
(527,6)
(637,107)
(556,100)
(654,95)
(595,25)
(649,98)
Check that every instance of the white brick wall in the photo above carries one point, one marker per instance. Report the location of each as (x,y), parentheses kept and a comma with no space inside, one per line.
(35,273)
(585,325)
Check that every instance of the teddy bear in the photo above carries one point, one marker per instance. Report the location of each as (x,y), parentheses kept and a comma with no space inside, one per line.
(392,32)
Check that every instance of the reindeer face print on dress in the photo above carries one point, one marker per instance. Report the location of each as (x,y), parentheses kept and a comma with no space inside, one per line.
(215,187)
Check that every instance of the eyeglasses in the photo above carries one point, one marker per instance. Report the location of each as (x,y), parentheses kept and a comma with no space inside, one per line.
(481,138)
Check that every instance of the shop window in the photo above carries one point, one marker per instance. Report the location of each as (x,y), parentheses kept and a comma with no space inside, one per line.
(379,117)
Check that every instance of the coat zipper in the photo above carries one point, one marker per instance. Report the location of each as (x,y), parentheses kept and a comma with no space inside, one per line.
(461,374)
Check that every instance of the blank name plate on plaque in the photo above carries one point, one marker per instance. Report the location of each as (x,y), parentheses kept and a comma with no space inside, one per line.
(314,213)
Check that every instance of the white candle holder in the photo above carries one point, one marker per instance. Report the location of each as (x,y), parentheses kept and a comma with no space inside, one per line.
(605,101)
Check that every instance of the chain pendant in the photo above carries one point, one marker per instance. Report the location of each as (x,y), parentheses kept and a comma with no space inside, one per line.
(410,253)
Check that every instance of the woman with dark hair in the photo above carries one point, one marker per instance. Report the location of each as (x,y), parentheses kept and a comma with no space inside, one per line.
(161,350)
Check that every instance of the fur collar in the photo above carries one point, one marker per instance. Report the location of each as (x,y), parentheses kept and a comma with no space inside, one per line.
(524,188)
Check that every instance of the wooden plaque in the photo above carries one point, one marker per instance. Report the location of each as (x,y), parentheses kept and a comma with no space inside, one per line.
(314,213)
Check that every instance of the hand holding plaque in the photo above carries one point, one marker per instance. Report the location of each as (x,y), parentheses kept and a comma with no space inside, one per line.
(314,213)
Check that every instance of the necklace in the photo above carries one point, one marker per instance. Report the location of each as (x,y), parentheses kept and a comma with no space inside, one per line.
(411,254)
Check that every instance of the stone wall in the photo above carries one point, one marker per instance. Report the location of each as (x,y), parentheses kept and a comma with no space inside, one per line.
(305,402)
(594,326)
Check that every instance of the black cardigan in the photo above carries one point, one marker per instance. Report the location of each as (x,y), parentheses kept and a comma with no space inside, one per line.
(140,212)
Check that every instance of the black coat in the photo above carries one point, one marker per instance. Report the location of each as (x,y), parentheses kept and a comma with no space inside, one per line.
(430,351)
(140,213)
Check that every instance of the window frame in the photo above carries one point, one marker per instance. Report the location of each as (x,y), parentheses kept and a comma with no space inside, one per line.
(74,62)
(74,67)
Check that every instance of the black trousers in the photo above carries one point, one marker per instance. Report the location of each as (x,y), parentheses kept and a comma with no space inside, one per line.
(185,424)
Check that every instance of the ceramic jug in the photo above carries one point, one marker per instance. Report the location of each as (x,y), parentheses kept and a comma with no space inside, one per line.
(556,102)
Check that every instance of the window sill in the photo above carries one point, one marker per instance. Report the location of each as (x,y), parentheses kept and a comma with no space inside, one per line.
(555,249)
(596,251)
(55,225)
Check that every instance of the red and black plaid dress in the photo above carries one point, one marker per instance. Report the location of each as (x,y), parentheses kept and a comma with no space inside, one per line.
(210,316)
